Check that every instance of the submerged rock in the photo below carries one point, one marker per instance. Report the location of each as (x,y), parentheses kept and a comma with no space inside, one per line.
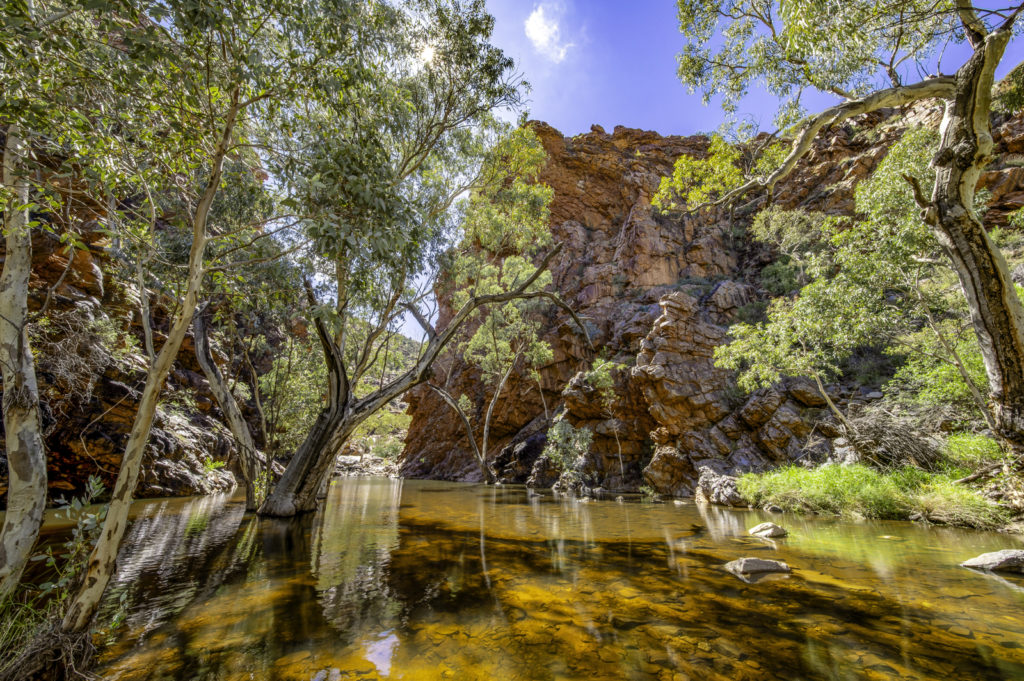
(768,530)
(756,566)
(1007,560)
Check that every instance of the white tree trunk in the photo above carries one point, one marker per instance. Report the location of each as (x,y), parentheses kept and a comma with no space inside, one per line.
(102,560)
(229,407)
(984,276)
(26,459)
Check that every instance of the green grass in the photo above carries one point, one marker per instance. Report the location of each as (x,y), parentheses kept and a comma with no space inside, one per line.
(859,491)
(971,450)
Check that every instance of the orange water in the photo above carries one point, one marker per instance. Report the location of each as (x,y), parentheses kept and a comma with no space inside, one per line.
(426,580)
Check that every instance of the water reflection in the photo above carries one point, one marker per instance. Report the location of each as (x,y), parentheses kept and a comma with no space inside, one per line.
(426,580)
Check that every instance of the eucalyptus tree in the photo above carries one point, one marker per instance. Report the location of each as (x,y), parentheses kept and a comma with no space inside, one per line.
(870,55)
(374,289)
(874,279)
(425,136)
(220,69)
(49,56)
(504,226)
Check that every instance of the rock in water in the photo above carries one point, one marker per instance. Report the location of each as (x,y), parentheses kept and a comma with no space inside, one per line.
(755,566)
(768,530)
(718,488)
(1007,560)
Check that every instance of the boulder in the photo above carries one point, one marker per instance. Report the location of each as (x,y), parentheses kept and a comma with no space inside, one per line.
(804,391)
(718,488)
(544,473)
(1007,560)
(768,531)
(756,566)
(670,472)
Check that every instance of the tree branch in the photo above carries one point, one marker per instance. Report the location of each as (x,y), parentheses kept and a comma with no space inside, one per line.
(940,86)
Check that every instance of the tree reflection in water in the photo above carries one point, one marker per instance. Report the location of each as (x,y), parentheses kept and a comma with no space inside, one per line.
(427,580)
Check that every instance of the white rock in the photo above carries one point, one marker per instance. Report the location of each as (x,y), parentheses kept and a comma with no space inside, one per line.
(768,530)
(1007,560)
(753,566)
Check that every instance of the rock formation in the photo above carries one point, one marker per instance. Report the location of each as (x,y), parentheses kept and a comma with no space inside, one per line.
(91,372)
(657,294)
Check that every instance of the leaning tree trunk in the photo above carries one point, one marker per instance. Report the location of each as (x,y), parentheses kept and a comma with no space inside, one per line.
(229,407)
(26,460)
(297,490)
(996,310)
(102,560)
(303,479)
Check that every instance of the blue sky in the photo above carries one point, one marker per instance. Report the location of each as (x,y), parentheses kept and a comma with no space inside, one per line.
(613,62)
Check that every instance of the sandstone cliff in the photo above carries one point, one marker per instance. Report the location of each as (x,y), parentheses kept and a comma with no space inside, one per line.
(91,371)
(658,294)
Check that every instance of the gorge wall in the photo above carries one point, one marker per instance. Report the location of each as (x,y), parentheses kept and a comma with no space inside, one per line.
(91,370)
(658,294)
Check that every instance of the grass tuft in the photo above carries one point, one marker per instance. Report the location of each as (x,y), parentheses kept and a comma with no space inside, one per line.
(863,492)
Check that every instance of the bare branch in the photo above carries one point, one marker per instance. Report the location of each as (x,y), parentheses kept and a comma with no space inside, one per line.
(421,320)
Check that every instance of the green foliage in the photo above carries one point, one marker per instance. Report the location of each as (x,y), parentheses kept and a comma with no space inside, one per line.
(788,47)
(601,377)
(697,181)
(929,380)
(295,390)
(870,280)
(28,613)
(567,445)
(1008,94)
(384,432)
(210,465)
(793,232)
(864,492)
(505,224)
(972,450)
(780,277)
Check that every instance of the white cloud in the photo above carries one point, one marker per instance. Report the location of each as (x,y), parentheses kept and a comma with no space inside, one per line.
(543,31)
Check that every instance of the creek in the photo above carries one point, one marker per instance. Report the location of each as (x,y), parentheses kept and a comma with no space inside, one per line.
(422,580)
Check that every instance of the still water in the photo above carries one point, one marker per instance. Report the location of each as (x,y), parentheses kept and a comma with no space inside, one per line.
(426,580)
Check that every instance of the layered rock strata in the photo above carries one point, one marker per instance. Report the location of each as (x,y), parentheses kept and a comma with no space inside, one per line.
(658,294)
(91,372)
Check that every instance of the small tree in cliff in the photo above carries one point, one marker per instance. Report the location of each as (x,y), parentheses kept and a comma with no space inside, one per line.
(862,53)
(601,377)
(504,226)
(876,279)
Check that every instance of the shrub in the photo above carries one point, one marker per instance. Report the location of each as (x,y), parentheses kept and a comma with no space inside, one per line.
(209,465)
(780,277)
(566,445)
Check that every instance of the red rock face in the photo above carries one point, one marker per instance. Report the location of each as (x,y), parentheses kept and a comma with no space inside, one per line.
(89,397)
(657,294)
